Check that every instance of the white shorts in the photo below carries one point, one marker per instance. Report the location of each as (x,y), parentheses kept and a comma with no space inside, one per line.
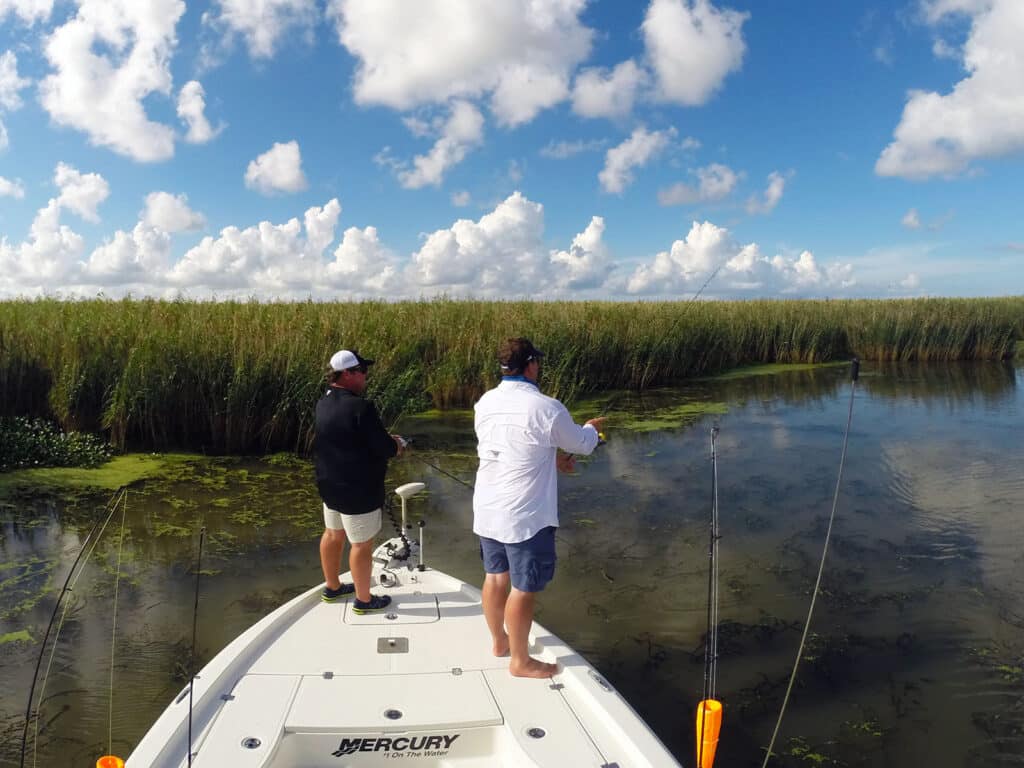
(358,528)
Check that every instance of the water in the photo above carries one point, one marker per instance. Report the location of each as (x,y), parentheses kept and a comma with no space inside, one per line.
(917,646)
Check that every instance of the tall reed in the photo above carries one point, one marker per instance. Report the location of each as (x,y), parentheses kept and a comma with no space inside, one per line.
(244,376)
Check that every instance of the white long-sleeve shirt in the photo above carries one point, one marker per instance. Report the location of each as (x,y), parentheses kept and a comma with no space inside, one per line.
(519,430)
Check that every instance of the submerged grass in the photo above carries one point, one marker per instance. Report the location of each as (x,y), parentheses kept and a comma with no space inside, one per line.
(235,377)
(21,636)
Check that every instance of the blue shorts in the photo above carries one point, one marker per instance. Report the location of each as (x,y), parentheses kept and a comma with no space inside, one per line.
(532,562)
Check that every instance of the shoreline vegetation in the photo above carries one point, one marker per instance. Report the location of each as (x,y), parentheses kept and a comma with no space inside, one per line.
(242,377)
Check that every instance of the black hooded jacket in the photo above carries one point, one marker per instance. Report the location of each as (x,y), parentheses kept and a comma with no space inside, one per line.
(351,450)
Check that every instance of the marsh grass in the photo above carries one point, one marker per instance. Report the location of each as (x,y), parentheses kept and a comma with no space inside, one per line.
(241,377)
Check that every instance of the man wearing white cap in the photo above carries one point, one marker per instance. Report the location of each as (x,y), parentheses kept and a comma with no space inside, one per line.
(351,451)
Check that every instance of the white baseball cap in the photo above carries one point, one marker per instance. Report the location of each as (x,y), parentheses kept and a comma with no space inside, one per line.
(343,359)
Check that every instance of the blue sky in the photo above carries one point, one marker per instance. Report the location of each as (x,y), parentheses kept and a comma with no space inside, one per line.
(346,149)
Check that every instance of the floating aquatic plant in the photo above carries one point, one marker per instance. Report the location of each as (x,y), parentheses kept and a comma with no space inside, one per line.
(33,442)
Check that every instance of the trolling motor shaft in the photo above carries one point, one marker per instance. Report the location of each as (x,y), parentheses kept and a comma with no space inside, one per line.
(421,566)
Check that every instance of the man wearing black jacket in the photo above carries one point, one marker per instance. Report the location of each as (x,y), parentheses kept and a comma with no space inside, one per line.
(351,450)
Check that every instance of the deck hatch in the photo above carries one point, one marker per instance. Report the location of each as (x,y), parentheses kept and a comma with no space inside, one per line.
(358,703)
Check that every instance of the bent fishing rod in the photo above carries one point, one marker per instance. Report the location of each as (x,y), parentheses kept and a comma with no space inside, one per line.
(854,373)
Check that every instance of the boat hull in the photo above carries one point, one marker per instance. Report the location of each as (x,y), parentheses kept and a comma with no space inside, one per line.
(313,684)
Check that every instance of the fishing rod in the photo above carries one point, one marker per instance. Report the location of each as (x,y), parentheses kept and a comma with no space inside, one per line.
(88,545)
(696,296)
(709,710)
(600,441)
(433,466)
(854,373)
(192,655)
(110,760)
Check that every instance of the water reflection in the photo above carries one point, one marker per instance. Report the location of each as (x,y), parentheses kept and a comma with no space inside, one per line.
(992,383)
(915,652)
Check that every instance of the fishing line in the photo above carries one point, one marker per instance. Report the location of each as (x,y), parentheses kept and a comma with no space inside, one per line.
(458,480)
(89,545)
(821,566)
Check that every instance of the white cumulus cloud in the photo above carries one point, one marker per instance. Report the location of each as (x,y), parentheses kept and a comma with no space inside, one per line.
(107,59)
(983,116)
(502,254)
(49,257)
(80,192)
(741,269)
(520,53)
(635,152)
(587,263)
(29,11)
(911,282)
(45,260)
(279,169)
(262,23)
(129,257)
(911,219)
(771,196)
(363,265)
(715,182)
(10,188)
(560,150)
(192,111)
(462,133)
(267,259)
(10,86)
(170,213)
(10,82)
(600,93)
(692,46)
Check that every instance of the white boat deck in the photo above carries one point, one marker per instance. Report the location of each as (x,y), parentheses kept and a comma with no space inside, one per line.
(314,684)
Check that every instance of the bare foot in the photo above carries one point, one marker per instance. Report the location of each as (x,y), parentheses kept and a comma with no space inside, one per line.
(501,646)
(532,668)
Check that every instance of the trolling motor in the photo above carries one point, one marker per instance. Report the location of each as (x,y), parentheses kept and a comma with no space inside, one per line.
(400,551)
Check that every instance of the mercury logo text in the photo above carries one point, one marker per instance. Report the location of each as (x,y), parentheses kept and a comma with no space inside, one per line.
(415,746)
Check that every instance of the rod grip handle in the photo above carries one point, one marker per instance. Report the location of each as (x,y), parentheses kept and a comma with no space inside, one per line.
(855,370)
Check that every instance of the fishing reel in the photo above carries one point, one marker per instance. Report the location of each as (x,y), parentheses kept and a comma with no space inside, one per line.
(396,553)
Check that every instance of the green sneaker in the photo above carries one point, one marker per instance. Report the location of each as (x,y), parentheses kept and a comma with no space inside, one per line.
(332,595)
(377,603)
